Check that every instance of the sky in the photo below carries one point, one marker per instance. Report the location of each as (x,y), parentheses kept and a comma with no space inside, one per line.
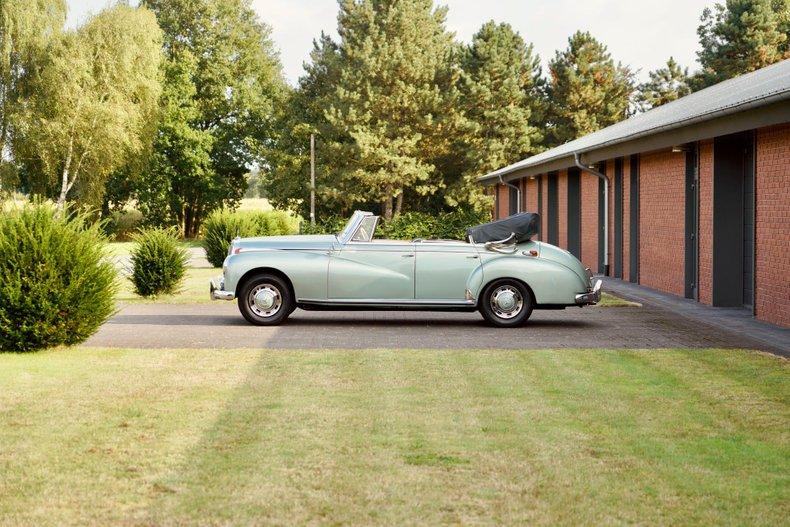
(639,33)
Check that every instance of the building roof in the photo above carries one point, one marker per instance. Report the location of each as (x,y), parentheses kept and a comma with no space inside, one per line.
(758,89)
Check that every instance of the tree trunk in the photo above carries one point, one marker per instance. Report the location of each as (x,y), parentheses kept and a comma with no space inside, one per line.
(399,204)
(65,184)
(386,204)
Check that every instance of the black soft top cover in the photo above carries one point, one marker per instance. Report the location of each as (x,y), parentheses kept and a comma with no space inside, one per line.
(525,225)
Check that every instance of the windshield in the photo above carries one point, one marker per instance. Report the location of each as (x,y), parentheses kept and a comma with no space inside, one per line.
(366,229)
(346,232)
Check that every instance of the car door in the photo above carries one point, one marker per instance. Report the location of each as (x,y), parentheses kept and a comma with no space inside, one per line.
(376,270)
(442,269)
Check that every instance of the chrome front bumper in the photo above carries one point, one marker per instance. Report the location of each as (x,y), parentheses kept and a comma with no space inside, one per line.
(591,298)
(216,291)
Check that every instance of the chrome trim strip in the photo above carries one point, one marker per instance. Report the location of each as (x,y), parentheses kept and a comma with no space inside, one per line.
(388,302)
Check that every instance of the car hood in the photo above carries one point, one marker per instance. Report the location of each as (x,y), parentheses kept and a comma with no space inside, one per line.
(296,242)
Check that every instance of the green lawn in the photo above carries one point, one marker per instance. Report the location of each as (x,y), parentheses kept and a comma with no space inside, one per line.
(154,437)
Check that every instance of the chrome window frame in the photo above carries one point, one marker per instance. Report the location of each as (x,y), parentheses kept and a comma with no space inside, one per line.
(354,223)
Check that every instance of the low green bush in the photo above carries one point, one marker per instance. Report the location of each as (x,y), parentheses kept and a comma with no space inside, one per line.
(159,262)
(57,285)
(447,226)
(222,226)
(121,225)
(329,225)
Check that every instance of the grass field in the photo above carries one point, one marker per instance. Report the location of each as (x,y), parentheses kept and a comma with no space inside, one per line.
(93,437)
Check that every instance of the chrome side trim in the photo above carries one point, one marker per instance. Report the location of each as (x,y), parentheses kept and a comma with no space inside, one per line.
(385,302)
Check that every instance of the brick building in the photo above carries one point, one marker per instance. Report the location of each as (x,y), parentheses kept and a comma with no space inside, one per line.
(696,195)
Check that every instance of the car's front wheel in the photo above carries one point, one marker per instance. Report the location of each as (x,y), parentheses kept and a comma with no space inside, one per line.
(265,300)
(506,303)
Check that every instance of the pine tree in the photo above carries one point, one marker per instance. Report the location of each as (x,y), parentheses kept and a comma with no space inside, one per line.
(665,85)
(500,93)
(741,36)
(587,90)
(395,97)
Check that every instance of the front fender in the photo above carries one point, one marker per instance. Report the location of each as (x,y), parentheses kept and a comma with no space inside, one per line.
(551,282)
(307,270)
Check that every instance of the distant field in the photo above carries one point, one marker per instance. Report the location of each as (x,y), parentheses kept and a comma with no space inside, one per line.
(255,204)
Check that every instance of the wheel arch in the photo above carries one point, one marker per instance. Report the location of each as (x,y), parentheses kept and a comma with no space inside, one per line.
(246,277)
(487,284)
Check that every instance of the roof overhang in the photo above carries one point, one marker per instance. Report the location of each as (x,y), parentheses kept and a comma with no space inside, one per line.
(757,114)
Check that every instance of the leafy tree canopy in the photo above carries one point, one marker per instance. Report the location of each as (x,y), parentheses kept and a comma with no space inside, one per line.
(665,85)
(740,36)
(587,89)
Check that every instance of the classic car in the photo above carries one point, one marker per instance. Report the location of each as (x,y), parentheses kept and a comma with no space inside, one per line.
(498,270)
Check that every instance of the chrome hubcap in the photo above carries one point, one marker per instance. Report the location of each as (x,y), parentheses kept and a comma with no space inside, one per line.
(506,302)
(265,300)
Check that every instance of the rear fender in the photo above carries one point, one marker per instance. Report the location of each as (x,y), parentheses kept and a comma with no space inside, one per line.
(551,282)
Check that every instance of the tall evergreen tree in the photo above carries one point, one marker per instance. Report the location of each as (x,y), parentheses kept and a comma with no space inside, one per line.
(500,90)
(237,84)
(395,97)
(740,36)
(665,85)
(587,89)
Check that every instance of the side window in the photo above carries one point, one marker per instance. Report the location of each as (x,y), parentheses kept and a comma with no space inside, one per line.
(366,229)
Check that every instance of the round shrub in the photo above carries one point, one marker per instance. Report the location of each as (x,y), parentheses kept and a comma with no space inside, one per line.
(158,262)
(57,285)
(222,226)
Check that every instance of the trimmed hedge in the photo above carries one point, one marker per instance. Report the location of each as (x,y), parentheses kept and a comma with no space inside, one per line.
(222,226)
(159,263)
(57,286)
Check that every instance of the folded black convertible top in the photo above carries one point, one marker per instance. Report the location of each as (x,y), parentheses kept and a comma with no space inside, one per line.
(524,225)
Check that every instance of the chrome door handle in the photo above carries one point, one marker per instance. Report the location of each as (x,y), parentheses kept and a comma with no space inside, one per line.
(407,256)
(475,256)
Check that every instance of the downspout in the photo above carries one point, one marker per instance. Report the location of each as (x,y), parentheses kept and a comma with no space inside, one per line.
(605,179)
(518,193)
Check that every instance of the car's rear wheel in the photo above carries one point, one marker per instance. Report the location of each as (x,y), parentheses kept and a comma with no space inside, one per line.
(265,300)
(506,303)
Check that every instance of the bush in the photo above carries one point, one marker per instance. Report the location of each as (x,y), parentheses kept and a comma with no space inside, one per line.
(57,285)
(158,262)
(222,226)
(122,224)
(449,225)
(330,225)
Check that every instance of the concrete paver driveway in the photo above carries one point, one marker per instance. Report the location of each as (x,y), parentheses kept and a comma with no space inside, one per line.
(219,325)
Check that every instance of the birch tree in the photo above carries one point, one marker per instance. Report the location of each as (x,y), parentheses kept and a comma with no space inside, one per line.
(92,104)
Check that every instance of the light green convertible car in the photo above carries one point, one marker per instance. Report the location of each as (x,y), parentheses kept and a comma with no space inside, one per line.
(499,271)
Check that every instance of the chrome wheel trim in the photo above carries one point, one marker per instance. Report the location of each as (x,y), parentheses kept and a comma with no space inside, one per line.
(265,300)
(506,302)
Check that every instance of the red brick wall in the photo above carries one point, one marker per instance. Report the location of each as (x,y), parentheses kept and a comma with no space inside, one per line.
(589,220)
(661,198)
(626,217)
(532,196)
(772,218)
(562,208)
(705,242)
(503,201)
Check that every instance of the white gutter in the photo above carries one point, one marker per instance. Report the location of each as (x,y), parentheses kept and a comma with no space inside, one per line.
(584,168)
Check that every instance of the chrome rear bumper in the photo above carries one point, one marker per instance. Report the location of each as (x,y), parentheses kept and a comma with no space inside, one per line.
(216,291)
(591,298)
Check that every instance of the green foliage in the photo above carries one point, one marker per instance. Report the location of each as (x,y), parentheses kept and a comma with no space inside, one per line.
(445,226)
(91,104)
(665,85)
(502,99)
(158,262)
(740,36)
(57,286)
(326,225)
(222,226)
(587,90)
(120,225)
(384,104)
(226,83)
